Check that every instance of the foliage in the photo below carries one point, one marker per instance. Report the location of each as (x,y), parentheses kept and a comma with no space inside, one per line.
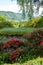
(13,49)
(35,41)
(40,23)
(2,18)
(37,61)
(4,22)
(35,23)
(26,8)
(23,49)
(8,23)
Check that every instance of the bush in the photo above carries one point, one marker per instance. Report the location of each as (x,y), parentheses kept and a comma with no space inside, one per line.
(13,49)
(40,23)
(35,22)
(8,23)
(35,40)
(4,22)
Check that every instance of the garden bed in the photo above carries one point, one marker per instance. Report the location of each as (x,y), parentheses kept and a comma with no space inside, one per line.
(20,45)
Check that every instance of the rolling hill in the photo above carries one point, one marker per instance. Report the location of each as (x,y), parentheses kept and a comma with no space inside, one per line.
(11,15)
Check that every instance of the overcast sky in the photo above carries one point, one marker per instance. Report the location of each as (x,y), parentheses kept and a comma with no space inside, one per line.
(8,5)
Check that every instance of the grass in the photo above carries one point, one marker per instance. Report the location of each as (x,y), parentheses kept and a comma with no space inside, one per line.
(16,31)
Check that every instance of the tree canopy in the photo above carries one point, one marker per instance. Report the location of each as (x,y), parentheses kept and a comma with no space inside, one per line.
(27,7)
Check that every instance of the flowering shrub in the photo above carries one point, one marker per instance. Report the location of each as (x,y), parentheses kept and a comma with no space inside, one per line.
(13,55)
(35,40)
(12,42)
(15,47)
(41,42)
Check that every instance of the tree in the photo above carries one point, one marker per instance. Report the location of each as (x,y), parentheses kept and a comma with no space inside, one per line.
(21,3)
(30,12)
(38,3)
(26,6)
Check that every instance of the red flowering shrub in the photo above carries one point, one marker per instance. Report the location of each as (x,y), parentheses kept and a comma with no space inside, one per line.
(13,55)
(12,42)
(17,53)
(5,45)
(41,42)
(15,47)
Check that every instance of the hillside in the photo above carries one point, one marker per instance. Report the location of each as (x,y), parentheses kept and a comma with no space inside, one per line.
(11,15)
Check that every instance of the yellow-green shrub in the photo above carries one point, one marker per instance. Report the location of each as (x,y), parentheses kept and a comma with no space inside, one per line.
(35,22)
(40,22)
(4,23)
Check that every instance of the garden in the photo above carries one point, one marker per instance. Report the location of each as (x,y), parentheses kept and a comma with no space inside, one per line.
(21,43)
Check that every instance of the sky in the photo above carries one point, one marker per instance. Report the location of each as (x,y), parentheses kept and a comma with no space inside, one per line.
(8,5)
